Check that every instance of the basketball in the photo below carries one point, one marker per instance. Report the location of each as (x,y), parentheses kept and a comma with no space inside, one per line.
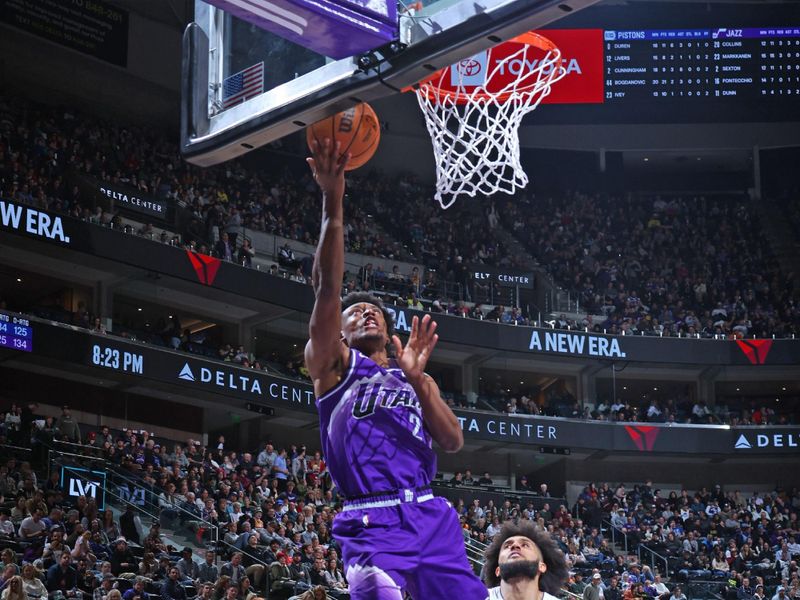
(357,129)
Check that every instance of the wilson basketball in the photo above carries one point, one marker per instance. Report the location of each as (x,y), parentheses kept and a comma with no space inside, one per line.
(357,129)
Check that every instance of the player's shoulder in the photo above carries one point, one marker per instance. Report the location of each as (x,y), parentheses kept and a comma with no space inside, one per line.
(495,594)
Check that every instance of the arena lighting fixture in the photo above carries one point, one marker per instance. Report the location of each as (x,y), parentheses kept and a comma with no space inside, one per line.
(737,389)
(19,279)
(646,159)
(655,389)
(139,309)
(783,388)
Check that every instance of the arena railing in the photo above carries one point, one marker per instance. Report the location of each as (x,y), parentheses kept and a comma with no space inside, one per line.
(498,494)
(644,552)
(79,464)
(150,508)
(618,537)
(18,452)
(126,488)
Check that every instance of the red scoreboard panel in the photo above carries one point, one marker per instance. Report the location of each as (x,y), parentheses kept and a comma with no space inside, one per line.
(582,54)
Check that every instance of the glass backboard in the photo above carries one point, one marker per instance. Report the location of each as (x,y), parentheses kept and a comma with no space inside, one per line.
(244,85)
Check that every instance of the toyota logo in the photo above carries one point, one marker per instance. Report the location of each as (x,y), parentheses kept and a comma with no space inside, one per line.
(469,67)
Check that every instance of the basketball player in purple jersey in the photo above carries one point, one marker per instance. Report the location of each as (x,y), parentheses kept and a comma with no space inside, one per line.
(378,417)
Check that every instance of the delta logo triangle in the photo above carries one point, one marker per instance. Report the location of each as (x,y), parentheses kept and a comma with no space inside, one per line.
(755,350)
(186,373)
(644,436)
(742,443)
(205,267)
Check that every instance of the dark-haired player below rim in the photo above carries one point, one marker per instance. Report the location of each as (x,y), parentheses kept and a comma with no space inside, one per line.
(524,563)
(378,417)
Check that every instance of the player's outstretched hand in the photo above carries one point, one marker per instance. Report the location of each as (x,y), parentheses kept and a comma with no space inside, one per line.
(327,165)
(413,358)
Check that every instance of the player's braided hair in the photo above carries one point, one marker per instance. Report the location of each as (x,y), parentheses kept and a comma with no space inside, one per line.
(359,297)
(551,580)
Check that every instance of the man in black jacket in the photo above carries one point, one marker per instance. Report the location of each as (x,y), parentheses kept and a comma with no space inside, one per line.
(172,588)
(127,525)
(62,577)
(122,559)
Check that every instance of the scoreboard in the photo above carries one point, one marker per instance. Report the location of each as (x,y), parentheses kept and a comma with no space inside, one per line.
(669,62)
(727,64)
(16,333)
(700,74)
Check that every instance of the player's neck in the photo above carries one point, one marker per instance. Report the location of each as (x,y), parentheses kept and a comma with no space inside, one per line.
(521,588)
(380,357)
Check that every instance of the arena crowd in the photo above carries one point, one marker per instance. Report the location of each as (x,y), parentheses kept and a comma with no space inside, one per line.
(273,507)
(723,281)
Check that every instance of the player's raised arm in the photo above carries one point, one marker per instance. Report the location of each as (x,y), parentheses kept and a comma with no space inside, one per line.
(325,352)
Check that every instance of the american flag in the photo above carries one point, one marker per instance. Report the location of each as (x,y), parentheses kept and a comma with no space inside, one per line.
(243,85)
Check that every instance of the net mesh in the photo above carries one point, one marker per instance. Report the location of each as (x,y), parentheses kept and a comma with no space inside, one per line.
(475,132)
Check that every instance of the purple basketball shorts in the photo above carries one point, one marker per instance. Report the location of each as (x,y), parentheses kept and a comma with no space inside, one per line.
(416,546)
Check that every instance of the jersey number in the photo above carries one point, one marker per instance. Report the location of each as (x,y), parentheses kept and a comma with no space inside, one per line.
(414,418)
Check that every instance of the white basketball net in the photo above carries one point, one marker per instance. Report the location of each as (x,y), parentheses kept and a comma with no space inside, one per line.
(476,143)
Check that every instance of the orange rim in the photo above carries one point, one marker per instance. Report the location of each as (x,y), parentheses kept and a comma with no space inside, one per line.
(433,91)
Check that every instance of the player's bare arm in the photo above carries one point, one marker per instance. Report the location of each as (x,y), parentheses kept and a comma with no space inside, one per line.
(440,420)
(326,356)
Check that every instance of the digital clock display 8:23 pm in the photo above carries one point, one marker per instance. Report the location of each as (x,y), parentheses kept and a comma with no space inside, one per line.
(15,333)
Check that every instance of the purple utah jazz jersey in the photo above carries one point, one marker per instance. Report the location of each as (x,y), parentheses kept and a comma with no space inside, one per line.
(372,431)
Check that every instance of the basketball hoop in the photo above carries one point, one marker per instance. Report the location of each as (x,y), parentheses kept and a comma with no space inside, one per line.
(473,111)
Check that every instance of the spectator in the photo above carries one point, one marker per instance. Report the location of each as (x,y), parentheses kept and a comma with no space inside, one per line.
(62,577)
(107,584)
(594,591)
(224,249)
(172,589)
(280,470)
(187,569)
(32,528)
(246,253)
(286,257)
(245,592)
(281,582)
(67,426)
(137,590)
(122,559)
(208,572)
(254,560)
(128,524)
(577,585)
(205,592)
(234,569)
(336,583)
(14,589)
(745,592)
(677,594)
(32,582)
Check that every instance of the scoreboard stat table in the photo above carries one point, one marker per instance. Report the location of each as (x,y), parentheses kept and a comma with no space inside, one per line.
(695,63)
